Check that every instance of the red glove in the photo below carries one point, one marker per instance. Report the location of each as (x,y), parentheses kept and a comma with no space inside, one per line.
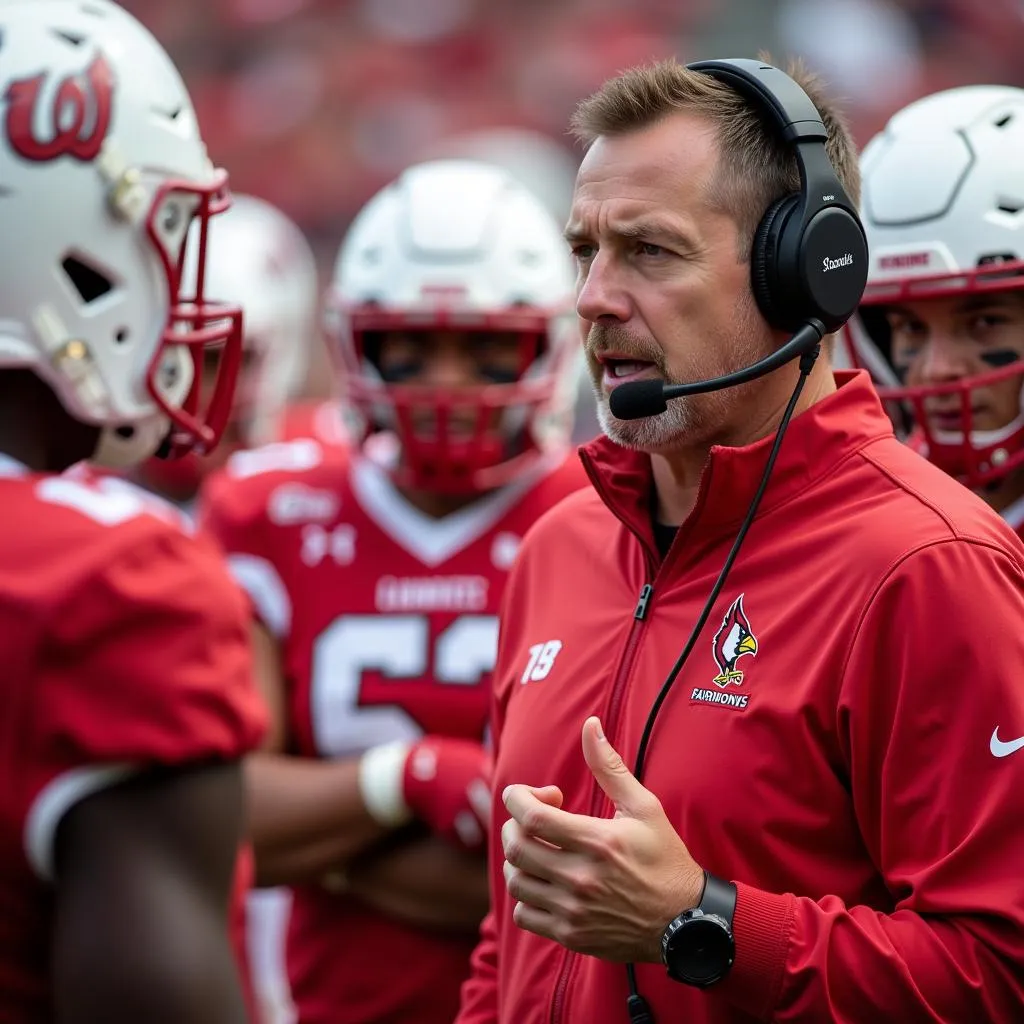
(444,782)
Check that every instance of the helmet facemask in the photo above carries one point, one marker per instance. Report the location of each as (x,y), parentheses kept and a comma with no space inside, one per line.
(940,418)
(460,440)
(194,323)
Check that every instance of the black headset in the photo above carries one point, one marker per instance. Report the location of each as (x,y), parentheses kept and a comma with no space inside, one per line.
(809,257)
(808,269)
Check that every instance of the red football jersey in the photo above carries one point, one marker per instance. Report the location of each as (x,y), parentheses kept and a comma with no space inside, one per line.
(124,645)
(112,482)
(239,919)
(388,627)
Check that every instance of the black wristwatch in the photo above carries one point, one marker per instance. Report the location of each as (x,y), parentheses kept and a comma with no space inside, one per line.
(697,947)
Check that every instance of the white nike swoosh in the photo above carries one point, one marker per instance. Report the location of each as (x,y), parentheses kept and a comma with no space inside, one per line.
(1001,749)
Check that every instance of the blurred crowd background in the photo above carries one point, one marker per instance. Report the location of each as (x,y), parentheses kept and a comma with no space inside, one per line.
(315,104)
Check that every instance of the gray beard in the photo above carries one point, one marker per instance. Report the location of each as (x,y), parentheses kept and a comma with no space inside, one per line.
(679,422)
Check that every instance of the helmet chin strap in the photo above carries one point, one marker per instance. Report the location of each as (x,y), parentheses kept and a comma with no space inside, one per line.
(178,480)
(121,447)
(985,438)
(980,438)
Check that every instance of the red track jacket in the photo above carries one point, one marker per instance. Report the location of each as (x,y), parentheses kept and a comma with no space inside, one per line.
(843,741)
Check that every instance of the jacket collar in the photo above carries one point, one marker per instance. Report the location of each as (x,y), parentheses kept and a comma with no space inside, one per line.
(816,441)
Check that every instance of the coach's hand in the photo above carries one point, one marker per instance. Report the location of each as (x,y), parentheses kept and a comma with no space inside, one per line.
(600,886)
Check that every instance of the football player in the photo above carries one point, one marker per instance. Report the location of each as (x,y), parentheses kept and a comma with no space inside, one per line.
(127,698)
(941,326)
(376,572)
(258,259)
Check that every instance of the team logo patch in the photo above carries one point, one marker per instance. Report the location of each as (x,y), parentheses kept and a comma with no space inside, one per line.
(79,118)
(734,639)
(294,503)
(504,550)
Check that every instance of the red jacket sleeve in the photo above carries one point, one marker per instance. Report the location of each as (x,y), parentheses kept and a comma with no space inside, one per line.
(933,684)
(480,990)
(479,996)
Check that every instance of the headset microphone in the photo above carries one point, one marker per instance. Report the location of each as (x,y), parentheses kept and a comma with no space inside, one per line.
(649,397)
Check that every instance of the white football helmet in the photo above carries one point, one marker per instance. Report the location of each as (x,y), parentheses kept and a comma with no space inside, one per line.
(546,167)
(459,245)
(102,170)
(943,208)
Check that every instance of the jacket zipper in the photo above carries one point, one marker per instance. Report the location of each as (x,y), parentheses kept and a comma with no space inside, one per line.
(610,724)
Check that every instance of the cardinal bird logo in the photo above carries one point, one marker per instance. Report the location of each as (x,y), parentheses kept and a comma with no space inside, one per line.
(733,639)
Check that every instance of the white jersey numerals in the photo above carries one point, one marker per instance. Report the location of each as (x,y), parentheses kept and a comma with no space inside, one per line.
(108,507)
(541,660)
(281,456)
(398,647)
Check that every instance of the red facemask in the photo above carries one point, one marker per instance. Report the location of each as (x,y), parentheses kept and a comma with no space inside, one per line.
(976,458)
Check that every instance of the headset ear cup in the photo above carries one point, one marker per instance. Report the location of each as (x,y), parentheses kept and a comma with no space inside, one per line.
(764,261)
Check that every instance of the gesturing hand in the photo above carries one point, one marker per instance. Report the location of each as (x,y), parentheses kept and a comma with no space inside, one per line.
(605,887)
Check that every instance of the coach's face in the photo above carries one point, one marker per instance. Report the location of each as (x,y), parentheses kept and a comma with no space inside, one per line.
(662,290)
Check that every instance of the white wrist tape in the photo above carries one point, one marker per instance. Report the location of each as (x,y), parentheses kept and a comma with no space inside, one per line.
(380,784)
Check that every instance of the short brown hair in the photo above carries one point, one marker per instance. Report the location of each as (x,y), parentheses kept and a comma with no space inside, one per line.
(756,167)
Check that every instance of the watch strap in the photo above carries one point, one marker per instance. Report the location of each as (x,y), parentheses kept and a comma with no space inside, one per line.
(718,897)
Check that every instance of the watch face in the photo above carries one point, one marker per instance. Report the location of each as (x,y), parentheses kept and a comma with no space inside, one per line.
(705,950)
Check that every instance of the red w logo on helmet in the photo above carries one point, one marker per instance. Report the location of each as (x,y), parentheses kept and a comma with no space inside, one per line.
(80,116)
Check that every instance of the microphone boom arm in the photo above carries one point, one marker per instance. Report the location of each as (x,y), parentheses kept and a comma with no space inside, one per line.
(647,397)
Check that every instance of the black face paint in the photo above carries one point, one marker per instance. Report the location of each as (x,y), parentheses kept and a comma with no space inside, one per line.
(402,373)
(412,366)
(496,375)
(901,370)
(999,357)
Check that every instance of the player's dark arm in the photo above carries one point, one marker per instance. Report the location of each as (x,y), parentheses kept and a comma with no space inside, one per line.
(306,816)
(143,880)
(424,881)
